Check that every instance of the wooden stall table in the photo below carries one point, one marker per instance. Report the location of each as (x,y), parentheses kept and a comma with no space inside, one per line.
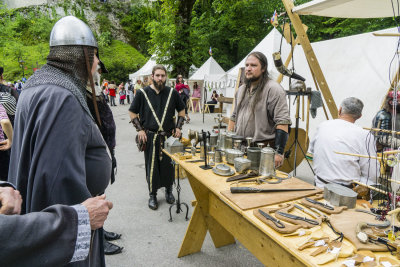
(191,104)
(207,107)
(226,222)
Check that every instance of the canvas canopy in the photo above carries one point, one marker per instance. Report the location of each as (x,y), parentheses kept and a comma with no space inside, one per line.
(270,44)
(355,66)
(348,8)
(145,70)
(210,71)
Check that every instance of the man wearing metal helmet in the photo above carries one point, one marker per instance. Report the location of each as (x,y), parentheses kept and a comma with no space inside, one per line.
(383,120)
(59,155)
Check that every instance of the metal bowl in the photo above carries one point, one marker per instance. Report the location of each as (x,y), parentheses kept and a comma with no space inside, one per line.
(223,170)
(231,154)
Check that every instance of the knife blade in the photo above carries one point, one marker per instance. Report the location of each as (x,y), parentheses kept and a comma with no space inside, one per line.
(309,212)
(295,217)
(242,176)
(326,206)
(239,189)
(277,222)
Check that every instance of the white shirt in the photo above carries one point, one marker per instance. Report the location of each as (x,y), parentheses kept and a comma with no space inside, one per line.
(343,136)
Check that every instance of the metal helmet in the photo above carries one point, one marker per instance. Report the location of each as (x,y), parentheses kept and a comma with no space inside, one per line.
(72,31)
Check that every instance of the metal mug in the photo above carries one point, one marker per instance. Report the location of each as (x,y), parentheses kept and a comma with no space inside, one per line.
(254,155)
(218,156)
(267,162)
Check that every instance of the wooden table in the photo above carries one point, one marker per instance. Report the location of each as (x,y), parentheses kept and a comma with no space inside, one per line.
(191,104)
(226,222)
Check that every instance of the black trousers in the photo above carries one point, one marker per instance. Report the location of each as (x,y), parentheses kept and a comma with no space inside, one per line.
(4,164)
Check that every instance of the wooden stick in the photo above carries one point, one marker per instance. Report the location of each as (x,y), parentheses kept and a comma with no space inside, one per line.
(387,34)
(394,181)
(308,116)
(391,152)
(356,155)
(371,187)
(381,130)
(393,84)
(302,103)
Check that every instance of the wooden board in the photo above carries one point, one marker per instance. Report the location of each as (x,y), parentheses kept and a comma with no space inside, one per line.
(346,222)
(247,201)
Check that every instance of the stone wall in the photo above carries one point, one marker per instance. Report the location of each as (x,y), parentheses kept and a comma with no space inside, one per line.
(23,3)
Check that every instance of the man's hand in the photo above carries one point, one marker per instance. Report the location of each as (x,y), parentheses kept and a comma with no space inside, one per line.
(142,136)
(98,208)
(177,133)
(5,145)
(278,160)
(10,200)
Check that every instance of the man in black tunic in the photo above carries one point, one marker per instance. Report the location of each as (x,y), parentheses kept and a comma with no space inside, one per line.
(152,114)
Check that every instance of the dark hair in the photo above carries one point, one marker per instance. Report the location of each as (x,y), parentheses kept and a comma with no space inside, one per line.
(195,85)
(1,71)
(158,67)
(113,82)
(177,78)
(263,80)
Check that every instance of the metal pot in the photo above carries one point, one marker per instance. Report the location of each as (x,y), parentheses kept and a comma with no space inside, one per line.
(218,156)
(222,141)
(231,154)
(254,155)
(267,162)
(242,164)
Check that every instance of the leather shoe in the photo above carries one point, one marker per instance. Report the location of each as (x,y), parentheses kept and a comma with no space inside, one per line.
(169,197)
(111,235)
(111,249)
(153,204)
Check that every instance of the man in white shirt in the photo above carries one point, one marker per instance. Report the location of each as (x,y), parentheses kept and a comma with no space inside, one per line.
(343,135)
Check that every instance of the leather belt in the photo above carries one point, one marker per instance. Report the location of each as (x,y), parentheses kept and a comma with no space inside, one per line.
(325,182)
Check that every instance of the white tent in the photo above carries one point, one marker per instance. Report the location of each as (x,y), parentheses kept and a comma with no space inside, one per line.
(356,66)
(145,70)
(212,75)
(270,44)
(348,8)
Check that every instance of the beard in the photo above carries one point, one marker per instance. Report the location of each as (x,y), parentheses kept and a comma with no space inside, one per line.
(252,79)
(159,85)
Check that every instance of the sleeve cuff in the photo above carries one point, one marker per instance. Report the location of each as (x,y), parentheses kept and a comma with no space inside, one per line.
(82,245)
(283,122)
(233,118)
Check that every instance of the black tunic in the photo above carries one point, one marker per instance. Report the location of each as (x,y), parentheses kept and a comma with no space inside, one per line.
(58,155)
(163,171)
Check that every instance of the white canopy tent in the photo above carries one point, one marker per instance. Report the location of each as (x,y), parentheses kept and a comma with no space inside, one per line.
(145,70)
(348,8)
(270,44)
(212,75)
(356,66)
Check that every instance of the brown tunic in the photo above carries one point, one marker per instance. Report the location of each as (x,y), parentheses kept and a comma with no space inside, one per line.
(271,110)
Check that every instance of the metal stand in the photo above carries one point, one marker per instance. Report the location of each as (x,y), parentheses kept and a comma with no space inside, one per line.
(204,100)
(206,137)
(178,201)
(296,142)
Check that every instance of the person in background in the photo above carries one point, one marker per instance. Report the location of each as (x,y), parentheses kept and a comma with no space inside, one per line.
(6,137)
(214,100)
(184,93)
(196,93)
(122,94)
(138,85)
(112,88)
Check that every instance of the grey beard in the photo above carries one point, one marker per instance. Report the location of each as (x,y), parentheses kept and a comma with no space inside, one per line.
(158,86)
(96,80)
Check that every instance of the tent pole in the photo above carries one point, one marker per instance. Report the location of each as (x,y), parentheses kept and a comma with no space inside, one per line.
(312,59)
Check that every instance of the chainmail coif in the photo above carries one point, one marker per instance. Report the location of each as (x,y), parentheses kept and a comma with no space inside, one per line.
(66,67)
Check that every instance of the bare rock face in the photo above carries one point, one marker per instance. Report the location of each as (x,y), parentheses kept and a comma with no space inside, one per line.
(339,195)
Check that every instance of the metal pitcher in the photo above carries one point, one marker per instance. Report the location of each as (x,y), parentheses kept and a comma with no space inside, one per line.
(267,162)
(213,139)
(228,140)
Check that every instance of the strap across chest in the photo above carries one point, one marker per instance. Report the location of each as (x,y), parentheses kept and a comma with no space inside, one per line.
(160,124)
